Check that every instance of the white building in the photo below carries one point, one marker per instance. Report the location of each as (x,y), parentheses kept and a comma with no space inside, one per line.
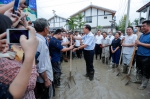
(97,16)
(144,9)
(57,22)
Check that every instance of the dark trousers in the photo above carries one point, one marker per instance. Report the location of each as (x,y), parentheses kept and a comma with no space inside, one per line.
(88,56)
(78,52)
(143,65)
(56,71)
(41,92)
(98,50)
(61,56)
(116,56)
(110,53)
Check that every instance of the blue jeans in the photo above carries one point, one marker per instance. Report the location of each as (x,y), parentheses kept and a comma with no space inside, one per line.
(116,56)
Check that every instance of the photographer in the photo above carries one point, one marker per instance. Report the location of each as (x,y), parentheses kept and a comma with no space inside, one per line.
(17,71)
(17,88)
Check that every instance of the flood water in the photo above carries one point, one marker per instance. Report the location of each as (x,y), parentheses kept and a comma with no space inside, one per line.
(104,86)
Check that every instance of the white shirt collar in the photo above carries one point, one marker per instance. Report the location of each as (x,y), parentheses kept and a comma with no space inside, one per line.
(40,36)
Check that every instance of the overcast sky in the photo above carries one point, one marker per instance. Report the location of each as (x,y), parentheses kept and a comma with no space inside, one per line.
(65,8)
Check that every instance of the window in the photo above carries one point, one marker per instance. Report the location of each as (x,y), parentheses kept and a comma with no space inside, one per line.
(105,17)
(89,19)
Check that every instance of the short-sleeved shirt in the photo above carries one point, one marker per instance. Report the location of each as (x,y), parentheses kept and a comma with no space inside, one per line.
(4,93)
(143,51)
(116,43)
(129,40)
(110,37)
(105,41)
(64,40)
(44,59)
(78,42)
(121,37)
(98,39)
(89,40)
(55,48)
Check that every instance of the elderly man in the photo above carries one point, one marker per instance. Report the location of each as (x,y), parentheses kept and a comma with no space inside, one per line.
(44,67)
(143,55)
(105,48)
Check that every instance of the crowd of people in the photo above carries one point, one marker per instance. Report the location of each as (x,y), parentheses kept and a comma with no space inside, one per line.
(122,49)
(32,69)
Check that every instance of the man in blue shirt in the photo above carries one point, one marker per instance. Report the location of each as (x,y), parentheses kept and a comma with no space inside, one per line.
(88,45)
(56,48)
(143,54)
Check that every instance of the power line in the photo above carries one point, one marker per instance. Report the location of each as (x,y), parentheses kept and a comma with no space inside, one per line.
(143,2)
(65,4)
(43,10)
(125,6)
(42,1)
(120,7)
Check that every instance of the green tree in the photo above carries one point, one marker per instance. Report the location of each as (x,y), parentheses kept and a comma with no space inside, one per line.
(79,21)
(99,27)
(136,22)
(72,23)
(122,23)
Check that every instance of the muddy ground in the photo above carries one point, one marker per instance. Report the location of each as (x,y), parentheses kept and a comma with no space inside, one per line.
(104,86)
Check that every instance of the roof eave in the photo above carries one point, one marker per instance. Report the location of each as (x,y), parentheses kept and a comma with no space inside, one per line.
(96,7)
(143,7)
(57,16)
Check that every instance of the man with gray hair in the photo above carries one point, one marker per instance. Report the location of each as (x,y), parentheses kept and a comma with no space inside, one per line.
(44,67)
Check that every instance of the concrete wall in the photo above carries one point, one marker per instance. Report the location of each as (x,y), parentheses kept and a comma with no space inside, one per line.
(97,17)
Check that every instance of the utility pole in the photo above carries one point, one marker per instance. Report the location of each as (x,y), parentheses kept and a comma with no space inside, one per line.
(127,18)
(113,23)
(54,18)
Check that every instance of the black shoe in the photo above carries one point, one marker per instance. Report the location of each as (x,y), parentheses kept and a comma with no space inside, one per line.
(57,83)
(96,57)
(91,76)
(86,75)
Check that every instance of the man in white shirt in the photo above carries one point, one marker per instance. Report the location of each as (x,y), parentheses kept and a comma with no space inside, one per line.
(77,44)
(65,45)
(44,66)
(98,49)
(128,47)
(110,37)
(105,48)
(64,39)
(121,36)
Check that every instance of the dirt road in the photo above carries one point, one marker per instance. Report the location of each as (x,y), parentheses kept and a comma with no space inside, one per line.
(104,86)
